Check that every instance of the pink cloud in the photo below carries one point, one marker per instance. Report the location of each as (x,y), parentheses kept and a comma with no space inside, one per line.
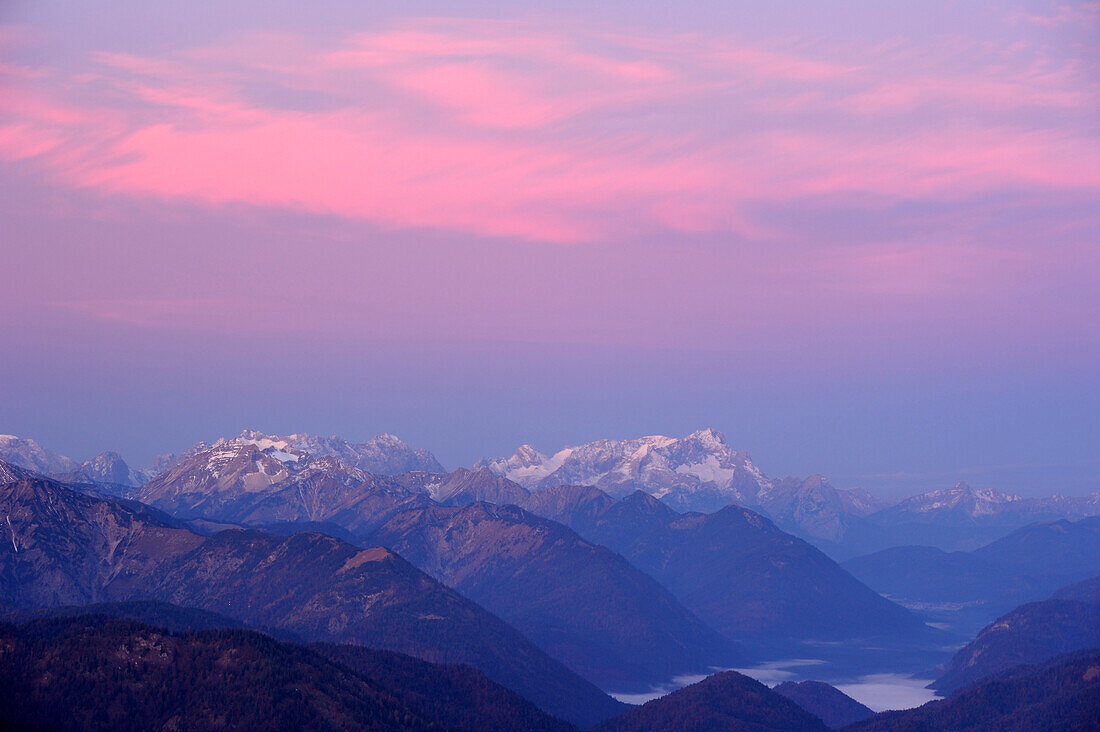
(20,141)
(506,128)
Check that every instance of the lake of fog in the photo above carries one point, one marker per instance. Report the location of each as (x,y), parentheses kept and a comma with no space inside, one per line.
(880,692)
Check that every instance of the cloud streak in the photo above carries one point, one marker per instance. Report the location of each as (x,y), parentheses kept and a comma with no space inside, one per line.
(516,129)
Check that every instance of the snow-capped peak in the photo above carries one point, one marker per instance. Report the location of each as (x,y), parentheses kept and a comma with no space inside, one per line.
(700,464)
(25,453)
(710,438)
(961,497)
(526,456)
(384,454)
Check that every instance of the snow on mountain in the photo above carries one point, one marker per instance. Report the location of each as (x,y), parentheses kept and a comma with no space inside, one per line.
(383,454)
(26,453)
(10,473)
(962,499)
(216,476)
(207,478)
(696,472)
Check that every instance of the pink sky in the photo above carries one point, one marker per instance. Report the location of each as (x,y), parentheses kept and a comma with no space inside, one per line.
(880,189)
(557,134)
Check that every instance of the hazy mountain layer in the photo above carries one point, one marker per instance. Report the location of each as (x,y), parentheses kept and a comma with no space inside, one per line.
(1030,634)
(67,673)
(829,704)
(582,603)
(70,548)
(734,568)
(724,702)
(970,589)
(1060,695)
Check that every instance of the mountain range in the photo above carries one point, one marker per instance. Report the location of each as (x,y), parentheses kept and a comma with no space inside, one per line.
(1032,633)
(98,672)
(970,589)
(616,565)
(699,472)
(957,519)
(734,568)
(66,547)
(829,704)
(579,601)
(723,702)
(1062,694)
(26,453)
(583,600)
(304,481)
(107,470)
(141,665)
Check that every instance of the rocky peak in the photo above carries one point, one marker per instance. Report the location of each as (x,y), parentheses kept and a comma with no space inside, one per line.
(11,473)
(525,456)
(26,453)
(108,467)
(709,438)
(696,472)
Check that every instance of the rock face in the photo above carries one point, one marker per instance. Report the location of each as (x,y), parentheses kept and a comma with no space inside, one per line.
(66,673)
(63,547)
(26,453)
(1061,694)
(209,482)
(10,473)
(814,509)
(726,701)
(829,704)
(463,487)
(1030,634)
(107,469)
(733,568)
(585,605)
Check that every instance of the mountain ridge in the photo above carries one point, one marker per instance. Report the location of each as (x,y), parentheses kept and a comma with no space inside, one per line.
(64,547)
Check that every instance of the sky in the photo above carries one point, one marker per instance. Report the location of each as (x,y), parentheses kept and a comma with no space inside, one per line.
(859,238)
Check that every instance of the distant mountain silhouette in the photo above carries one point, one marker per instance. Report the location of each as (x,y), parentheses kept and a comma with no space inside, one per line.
(828,703)
(1030,634)
(723,702)
(961,518)
(99,672)
(1062,694)
(973,588)
(64,547)
(734,568)
(582,603)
